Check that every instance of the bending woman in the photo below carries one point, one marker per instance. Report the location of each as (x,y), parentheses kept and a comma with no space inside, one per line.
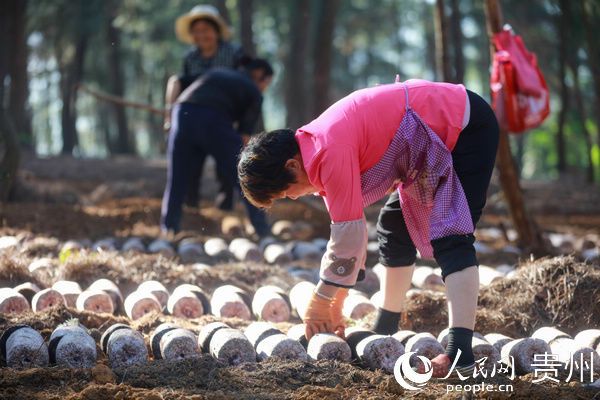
(431,147)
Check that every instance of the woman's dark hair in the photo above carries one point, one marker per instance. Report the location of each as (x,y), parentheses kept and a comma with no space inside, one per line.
(247,63)
(261,168)
(210,21)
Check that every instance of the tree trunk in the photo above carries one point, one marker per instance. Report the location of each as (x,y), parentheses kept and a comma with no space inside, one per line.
(9,143)
(5,45)
(322,54)
(104,126)
(69,79)
(224,11)
(9,161)
(441,42)
(564,89)
(594,58)
(295,79)
(246,10)
(429,28)
(124,144)
(579,105)
(457,41)
(529,235)
(17,69)
(482,45)
(520,154)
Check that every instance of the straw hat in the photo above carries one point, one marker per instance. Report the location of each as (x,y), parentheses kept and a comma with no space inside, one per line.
(182,25)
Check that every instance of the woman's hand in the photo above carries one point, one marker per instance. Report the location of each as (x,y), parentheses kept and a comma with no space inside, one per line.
(245,138)
(167,120)
(317,317)
(339,323)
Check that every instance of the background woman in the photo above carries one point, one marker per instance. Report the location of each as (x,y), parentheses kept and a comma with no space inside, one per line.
(206,30)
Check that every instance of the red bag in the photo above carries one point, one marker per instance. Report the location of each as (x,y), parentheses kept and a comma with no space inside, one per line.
(520,96)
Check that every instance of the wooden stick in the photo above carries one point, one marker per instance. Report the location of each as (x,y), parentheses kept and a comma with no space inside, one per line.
(119,100)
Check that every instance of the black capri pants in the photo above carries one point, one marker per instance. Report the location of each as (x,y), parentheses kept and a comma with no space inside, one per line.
(473,159)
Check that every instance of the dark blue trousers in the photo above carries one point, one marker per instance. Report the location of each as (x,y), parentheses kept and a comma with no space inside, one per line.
(198,131)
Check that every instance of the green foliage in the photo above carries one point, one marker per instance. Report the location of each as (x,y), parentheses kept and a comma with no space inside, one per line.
(373,41)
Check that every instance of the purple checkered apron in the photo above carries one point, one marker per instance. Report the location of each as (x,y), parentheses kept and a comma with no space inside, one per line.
(419,165)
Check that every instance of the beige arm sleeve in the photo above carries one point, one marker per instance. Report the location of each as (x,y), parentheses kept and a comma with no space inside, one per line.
(346,253)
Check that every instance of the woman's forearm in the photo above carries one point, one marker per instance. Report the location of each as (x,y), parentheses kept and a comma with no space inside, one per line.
(326,290)
(173,90)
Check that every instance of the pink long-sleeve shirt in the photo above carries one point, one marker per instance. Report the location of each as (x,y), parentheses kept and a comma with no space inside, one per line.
(353,134)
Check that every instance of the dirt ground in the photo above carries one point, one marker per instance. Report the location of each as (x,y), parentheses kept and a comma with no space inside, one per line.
(62,199)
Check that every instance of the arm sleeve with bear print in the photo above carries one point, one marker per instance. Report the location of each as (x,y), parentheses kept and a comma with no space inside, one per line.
(339,174)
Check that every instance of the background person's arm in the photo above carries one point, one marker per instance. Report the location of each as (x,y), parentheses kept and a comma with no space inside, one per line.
(171,94)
